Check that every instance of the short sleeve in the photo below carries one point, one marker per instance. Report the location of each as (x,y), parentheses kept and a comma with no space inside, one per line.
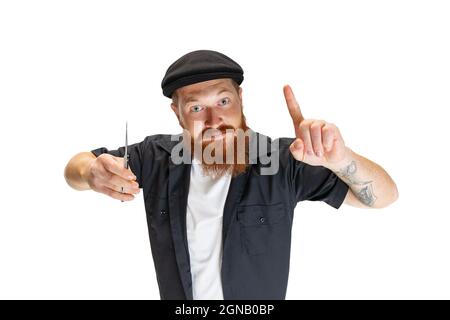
(135,158)
(317,183)
(313,183)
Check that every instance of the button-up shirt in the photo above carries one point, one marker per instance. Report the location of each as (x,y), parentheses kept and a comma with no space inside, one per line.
(257,216)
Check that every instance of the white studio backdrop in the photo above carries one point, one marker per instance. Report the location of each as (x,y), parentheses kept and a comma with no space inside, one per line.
(72,73)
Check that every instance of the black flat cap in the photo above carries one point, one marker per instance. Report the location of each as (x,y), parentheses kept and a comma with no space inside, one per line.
(198,66)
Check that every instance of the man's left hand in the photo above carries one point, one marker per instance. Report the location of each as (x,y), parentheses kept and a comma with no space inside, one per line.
(318,143)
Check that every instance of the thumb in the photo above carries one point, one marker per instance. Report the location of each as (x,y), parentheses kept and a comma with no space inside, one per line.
(297,149)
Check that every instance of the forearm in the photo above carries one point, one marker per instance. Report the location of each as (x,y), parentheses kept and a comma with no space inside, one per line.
(369,182)
(76,169)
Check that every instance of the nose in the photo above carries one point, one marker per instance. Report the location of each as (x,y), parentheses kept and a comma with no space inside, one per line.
(213,118)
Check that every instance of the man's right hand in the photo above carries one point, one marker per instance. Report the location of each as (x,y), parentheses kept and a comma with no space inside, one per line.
(106,174)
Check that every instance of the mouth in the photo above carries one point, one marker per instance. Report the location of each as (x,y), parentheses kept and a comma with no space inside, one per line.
(216,135)
(214,138)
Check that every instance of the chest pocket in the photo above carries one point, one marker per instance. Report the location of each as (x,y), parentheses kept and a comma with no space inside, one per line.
(263,227)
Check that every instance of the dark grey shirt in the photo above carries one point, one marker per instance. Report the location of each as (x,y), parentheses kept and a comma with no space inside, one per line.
(257,217)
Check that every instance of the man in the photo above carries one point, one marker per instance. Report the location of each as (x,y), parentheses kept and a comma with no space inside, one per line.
(221,229)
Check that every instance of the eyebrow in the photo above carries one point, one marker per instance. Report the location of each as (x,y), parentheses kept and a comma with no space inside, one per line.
(191,98)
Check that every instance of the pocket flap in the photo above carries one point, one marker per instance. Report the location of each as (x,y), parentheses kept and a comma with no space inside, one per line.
(260,214)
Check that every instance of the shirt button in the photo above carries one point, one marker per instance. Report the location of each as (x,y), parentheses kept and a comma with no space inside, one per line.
(163,212)
(262,220)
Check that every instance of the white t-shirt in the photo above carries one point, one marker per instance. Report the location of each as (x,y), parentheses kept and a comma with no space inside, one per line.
(206,201)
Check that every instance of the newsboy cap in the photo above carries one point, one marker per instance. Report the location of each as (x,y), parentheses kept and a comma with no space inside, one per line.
(198,66)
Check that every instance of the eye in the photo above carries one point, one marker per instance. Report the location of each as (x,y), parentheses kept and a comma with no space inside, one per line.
(196,108)
(224,101)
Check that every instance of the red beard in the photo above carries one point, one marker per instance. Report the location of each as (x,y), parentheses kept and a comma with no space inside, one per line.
(228,154)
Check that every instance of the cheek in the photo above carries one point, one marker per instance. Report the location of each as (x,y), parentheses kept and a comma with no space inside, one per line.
(233,117)
(186,120)
(194,126)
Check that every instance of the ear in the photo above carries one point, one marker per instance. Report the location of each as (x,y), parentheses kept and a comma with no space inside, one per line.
(175,109)
(240,97)
(177,112)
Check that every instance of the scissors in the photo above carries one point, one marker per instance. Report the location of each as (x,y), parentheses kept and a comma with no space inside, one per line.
(125,156)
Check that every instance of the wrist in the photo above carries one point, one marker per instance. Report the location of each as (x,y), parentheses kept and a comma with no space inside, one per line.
(85,169)
(344,162)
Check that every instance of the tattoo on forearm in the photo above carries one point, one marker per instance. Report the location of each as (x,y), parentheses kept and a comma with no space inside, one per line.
(366,196)
(349,172)
(365,193)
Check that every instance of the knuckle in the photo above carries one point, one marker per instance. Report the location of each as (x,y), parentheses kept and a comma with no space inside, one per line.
(315,128)
(304,126)
(317,124)
(332,126)
(107,176)
(103,158)
(107,165)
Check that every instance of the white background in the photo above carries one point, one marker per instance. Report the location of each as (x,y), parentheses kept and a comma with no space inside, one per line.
(72,72)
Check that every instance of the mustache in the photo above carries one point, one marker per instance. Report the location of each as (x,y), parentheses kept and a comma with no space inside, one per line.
(223,129)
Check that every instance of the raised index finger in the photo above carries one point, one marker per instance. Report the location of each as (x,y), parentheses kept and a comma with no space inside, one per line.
(293,107)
